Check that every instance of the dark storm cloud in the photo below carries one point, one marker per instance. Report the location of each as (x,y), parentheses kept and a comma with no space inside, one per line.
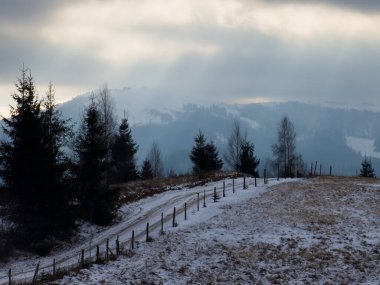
(259,66)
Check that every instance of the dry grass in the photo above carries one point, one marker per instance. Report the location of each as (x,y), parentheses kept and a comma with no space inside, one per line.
(139,189)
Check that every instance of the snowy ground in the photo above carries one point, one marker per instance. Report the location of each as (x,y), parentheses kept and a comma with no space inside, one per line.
(316,231)
(133,216)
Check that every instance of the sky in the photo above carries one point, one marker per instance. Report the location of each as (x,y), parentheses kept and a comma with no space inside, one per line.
(233,51)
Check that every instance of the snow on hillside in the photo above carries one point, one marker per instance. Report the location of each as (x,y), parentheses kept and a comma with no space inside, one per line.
(317,231)
(365,146)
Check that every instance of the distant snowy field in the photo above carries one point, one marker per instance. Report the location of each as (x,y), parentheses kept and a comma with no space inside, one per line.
(317,231)
(365,146)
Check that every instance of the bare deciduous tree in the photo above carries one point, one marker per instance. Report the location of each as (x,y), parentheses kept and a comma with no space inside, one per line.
(154,157)
(232,155)
(284,150)
(107,110)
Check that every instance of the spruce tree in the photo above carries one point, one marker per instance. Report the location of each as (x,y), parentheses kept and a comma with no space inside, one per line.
(28,160)
(205,156)
(367,169)
(214,163)
(146,171)
(198,154)
(123,150)
(98,201)
(248,162)
(56,132)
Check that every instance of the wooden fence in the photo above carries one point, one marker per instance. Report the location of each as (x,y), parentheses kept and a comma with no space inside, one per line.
(114,247)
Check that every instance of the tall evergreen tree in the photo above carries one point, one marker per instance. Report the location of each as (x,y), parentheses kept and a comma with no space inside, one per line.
(248,162)
(205,156)
(56,132)
(29,161)
(367,169)
(123,149)
(98,201)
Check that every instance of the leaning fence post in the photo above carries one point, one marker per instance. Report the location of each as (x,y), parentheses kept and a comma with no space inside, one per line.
(36,273)
(107,247)
(204,198)
(224,189)
(173,223)
(185,211)
(53,267)
(162,222)
(133,240)
(10,276)
(117,246)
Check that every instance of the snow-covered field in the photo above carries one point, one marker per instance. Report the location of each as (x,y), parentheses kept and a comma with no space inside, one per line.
(313,231)
(316,231)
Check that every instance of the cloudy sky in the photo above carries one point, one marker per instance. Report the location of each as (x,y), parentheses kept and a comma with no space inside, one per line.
(321,51)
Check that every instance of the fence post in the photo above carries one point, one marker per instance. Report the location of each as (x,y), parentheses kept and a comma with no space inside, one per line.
(107,246)
(330,169)
(265,176)
(10,276)
(185,211)
(244,182)
(53,267)
(82,259)
(233,184)
(315,167)
(36,273)
(320,170)
(215,195)
(311,169)
(204,198)
(147,232)
(173,223)
(117,246)
(162,222)
(198,202)
(255,182)
(133,240)
(224,189)
(278,172)
(97,254)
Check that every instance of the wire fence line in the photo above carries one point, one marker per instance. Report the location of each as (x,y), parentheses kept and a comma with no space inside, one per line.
(109,248)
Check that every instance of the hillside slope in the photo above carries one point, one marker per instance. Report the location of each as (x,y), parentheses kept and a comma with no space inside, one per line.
(324,134)
(317,231)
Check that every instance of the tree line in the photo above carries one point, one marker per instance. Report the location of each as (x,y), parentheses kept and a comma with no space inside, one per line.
(53,176)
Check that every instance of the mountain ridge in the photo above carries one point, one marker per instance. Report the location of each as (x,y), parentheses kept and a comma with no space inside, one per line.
(322,132)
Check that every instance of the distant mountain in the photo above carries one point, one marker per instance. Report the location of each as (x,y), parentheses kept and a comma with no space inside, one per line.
(331,136)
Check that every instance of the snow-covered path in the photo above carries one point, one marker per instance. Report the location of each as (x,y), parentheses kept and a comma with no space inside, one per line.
(136,217)
(317,231)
